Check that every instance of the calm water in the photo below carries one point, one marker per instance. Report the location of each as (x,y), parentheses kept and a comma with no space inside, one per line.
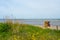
(36,21)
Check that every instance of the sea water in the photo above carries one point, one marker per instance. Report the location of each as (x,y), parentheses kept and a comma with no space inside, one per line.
(53,22)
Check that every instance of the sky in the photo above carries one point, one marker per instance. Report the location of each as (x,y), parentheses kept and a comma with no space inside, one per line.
(30,9)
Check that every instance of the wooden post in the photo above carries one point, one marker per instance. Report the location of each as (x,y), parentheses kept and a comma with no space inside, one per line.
(57,27)
(57,31)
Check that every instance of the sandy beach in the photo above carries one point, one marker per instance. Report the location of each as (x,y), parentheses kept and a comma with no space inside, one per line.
(51,27)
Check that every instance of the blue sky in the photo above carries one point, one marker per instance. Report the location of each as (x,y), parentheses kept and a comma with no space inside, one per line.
(30,9)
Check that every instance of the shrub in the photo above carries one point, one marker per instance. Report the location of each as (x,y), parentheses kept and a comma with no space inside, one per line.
(4,27)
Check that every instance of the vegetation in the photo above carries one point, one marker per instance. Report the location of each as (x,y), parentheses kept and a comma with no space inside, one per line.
(16,31)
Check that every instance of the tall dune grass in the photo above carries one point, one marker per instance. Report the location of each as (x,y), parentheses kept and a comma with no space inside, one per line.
(15,31)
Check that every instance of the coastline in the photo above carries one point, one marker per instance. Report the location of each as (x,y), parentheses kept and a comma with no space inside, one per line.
(51,27)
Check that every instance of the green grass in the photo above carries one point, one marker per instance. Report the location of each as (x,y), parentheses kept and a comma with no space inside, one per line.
(16,31)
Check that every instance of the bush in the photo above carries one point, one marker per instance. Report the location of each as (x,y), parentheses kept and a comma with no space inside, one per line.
(4,27)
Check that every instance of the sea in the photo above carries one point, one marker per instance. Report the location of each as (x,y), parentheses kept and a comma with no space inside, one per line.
(53,22)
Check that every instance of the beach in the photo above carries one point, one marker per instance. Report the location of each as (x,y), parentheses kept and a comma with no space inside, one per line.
(51,27)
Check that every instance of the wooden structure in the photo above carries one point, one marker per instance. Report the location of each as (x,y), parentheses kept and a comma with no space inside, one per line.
(46,24)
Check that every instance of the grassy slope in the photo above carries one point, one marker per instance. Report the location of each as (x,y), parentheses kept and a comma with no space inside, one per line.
(26,32)
(34,33)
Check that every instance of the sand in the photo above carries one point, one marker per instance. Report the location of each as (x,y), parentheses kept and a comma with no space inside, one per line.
(51,27)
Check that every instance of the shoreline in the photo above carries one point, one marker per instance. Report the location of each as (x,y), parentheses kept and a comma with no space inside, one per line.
(51,27)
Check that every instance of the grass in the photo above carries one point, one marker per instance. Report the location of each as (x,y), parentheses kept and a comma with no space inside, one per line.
(16,31)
